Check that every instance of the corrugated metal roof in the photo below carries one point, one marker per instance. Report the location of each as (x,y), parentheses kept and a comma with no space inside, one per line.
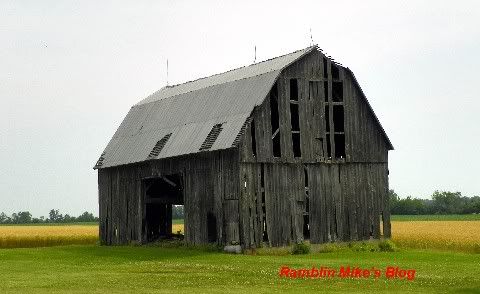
(256,69)
(190,110)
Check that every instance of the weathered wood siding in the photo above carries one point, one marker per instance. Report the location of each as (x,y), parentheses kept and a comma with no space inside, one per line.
(364,140)
(347,195)
(210,186)
(346,202)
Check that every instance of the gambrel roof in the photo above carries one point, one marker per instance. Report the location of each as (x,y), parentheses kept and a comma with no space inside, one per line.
(180,119)
(189,111)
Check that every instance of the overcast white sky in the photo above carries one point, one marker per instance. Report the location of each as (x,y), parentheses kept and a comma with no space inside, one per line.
(70,71)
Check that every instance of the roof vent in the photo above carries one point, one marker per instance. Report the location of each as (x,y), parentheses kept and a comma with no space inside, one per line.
(242,131)
(211,137)
(100,161)
(158,147)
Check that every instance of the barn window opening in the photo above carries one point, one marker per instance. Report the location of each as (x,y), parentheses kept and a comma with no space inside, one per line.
(274,121)
(338,118)
(297,152)
(294,89)
(325,90)
(306,212)
(159,146)
(325,68)
(335,72)
(211,137)
(295,128)
(339,145)
(161,194)
(294,117)
(253,138)
(211,227)
(337,91)
(274,118)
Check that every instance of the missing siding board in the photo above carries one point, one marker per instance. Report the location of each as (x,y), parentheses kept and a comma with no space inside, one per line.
(159,146)
(253,137)
(338,118)
(294,89)
(274,121)
(327,119)
(339,145)
(325,69)
(262,177)
(294,117)
(335,72)
(211,137)
(211,227)
(277,152)
(264,220)
(337,91)
(329,146)
(297,152)
(325,90)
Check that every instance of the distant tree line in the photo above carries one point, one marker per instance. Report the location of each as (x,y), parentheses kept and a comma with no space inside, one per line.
(441,202)
(54,216)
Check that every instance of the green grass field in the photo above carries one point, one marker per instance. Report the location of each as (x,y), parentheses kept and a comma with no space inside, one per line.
(147,269)
(436,217)
(95,269)
(177,221)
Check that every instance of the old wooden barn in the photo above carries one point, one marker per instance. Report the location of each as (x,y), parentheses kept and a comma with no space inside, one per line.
(269,154)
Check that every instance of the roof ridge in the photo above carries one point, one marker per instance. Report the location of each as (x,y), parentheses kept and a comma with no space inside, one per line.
(197,84)
(245,66)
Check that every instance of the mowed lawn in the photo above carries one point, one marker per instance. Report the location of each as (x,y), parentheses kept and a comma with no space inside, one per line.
(123,269)
(144,269)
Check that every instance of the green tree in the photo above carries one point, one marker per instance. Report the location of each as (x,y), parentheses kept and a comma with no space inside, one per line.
(86,217)
(55,216)
(445,202)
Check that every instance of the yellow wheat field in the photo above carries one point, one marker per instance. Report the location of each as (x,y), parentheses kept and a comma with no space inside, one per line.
(444,235)
(40,236)
(177,228)
(37,236)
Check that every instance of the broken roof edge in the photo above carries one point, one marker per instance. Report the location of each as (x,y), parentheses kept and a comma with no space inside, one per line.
(389,143)
(149,99)
(149,161)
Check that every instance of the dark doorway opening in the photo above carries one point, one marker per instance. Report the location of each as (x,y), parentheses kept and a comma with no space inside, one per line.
(211,227)
(161,193)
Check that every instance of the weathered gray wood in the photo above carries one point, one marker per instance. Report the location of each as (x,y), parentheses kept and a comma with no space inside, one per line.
(347,196)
